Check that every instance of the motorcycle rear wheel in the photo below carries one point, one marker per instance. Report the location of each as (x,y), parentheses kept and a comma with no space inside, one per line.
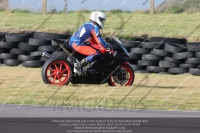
(56,71)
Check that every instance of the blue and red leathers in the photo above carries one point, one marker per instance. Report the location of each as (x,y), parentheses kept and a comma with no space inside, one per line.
(88,41)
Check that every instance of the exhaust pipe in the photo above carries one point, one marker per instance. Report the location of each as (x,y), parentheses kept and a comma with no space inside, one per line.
(46,55)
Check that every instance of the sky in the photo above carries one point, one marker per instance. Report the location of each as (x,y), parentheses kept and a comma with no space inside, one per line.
(127,5)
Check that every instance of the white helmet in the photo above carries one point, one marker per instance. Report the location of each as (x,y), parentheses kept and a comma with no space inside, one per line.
(99,18)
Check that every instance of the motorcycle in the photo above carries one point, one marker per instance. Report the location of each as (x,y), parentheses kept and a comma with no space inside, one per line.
(112,68)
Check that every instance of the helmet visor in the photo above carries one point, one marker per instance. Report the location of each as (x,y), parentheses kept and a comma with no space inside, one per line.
(103,20)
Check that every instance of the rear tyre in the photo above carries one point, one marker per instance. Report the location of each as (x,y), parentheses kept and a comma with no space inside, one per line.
(124,76)
(56,71)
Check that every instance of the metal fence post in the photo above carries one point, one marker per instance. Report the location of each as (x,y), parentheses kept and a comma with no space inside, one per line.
(65,8)
(4,4)
(152,7)
(44,6)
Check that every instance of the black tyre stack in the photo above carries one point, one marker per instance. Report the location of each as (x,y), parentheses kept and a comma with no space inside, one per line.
(173,62)
(10,42)
(4,46)
(27,58)
(156,54)
(133,48)
(26,49)
(194,47)
(168,55)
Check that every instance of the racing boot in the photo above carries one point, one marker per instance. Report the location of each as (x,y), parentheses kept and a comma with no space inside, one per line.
(79,66)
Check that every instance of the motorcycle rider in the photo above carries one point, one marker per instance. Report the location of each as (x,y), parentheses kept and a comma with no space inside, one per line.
(87,34)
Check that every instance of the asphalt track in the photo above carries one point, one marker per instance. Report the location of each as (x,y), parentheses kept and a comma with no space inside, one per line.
(48,119)
(50,111)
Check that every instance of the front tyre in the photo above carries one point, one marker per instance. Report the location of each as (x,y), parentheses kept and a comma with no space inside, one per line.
(56,71)
(124,76)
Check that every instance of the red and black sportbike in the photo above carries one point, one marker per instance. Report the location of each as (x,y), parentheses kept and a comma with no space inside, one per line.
(112,68)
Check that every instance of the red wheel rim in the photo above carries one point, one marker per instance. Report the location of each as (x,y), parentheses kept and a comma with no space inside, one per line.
(129,72)
(58,72)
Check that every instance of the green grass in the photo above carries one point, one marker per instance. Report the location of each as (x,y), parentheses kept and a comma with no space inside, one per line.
(164,92)
(178,6)
(135,24)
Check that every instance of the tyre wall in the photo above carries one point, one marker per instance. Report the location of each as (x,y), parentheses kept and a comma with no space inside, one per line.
(155,55)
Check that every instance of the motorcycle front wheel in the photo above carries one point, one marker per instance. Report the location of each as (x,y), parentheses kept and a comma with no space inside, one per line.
(123,76)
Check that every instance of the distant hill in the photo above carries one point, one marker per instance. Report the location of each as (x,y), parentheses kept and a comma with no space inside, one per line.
(178,6)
